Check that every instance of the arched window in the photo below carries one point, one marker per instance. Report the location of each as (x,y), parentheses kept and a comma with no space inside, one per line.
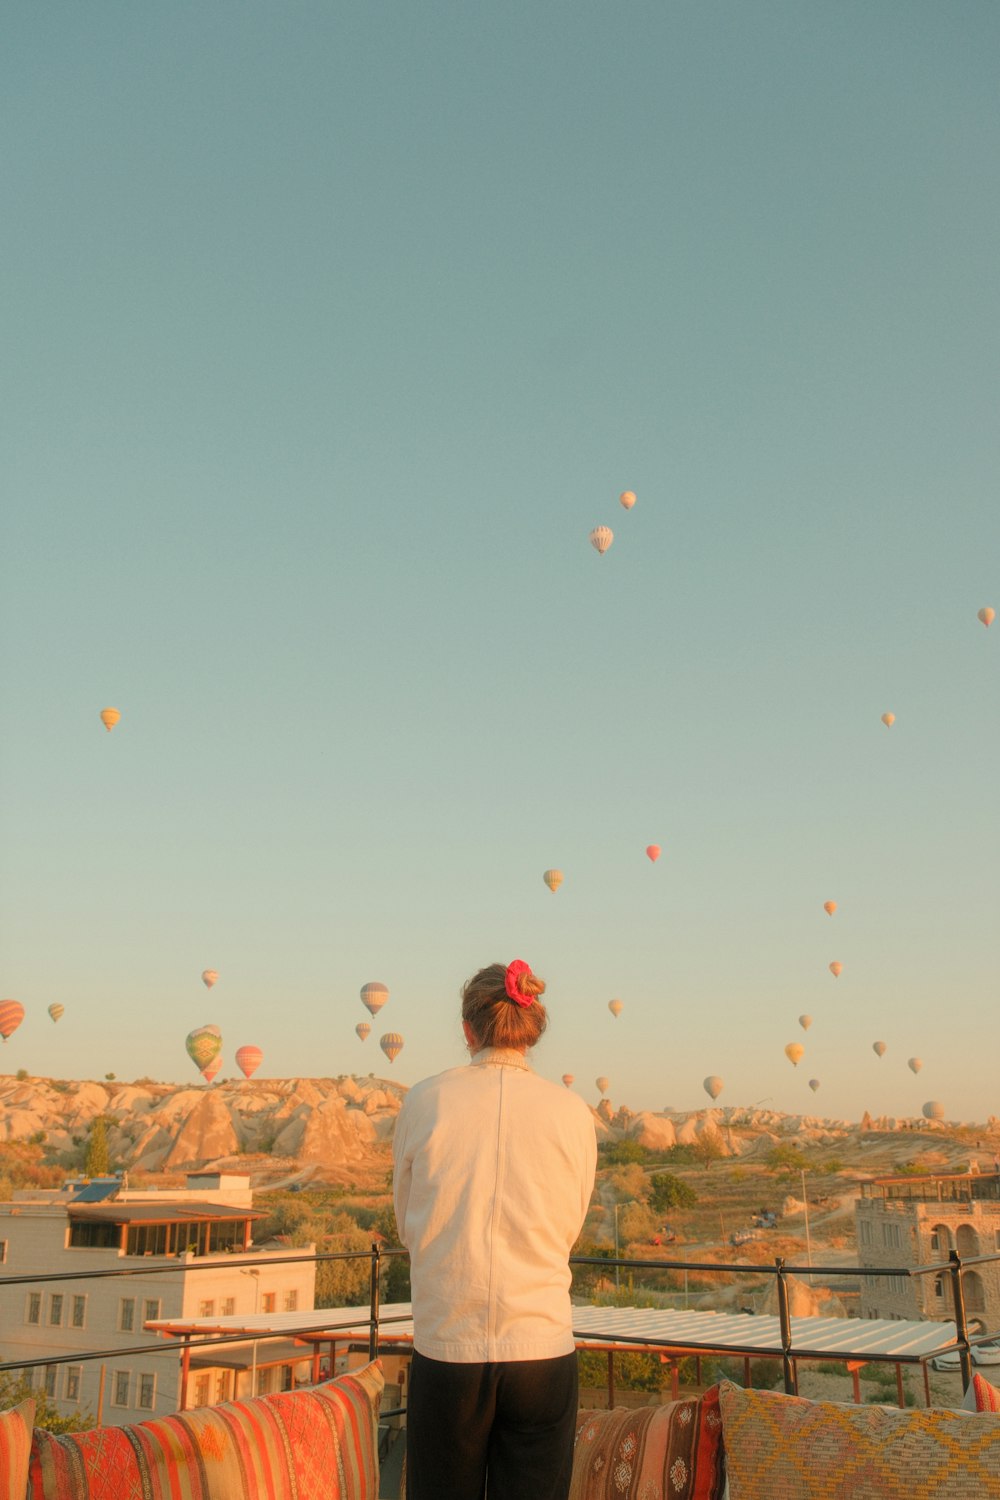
(941,1239)
(975,1299)
(967,1240)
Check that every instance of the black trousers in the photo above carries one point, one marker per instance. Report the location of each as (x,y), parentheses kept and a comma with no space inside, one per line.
(505,1429)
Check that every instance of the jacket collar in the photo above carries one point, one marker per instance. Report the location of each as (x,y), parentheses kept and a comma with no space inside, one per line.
(500,1057)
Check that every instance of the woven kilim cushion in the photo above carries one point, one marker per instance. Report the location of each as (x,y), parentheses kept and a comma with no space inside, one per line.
(15,1449)
(650,1453)
(985,1395)
(313,1444)
(787,1448)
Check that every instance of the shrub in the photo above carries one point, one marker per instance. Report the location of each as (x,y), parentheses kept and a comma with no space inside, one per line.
(668,1191)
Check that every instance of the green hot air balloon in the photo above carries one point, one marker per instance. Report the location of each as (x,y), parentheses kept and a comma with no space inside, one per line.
(204,1045)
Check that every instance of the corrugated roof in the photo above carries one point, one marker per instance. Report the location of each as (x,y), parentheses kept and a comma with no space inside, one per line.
(160,1213)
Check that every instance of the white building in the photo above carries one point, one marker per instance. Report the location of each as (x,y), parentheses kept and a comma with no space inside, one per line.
(196,1230)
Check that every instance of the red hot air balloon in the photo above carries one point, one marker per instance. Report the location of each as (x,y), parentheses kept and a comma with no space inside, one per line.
(11,1016)
(209,1072)
(248,1060)
(654,851)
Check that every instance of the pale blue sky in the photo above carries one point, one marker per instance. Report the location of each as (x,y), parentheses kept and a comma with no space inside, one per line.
(330,332)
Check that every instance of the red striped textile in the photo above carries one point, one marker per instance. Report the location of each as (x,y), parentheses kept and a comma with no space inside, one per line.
(651,1452)
(319,1444)
(15,1449)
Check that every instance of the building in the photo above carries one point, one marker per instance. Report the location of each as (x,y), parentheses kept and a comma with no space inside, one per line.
(104,1226)
(903,1222)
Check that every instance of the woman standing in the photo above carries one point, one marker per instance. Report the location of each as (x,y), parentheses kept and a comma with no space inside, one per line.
(493,1171)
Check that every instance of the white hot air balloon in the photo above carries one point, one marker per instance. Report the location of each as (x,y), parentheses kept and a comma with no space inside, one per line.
(601,538)
(987,614)
(615,1007)
(933,1110)
(713,1086)
(914,1064)
(805,1022)
(602,1084)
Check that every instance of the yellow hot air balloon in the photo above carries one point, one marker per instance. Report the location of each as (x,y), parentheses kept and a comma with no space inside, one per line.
(363,1029)
(814,1084)
(204,1045)
(602,1084)
(888,720)
(209,977)
(794,1052)
(829,907)
(601,537)
(615,1007)
(110,717)
(627,499)
(933,1110)
(836,969)
(553,879)
(57,1012)
(713,1086)
(805,1022)
(568,1079)
(11,1016)
(391,1044)
(987,614)
(914,1064)
(878,1048)
(374,996)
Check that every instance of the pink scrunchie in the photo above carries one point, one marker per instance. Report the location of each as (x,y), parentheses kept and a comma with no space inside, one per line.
(514,972)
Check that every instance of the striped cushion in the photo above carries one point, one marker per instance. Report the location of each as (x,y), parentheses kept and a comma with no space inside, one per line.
(319,1444)
(787,1448)
(15,1449)
(654,1451)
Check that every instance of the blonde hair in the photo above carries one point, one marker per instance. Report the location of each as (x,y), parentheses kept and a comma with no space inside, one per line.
(494,1018)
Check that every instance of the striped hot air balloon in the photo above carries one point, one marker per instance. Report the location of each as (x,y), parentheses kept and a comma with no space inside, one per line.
(110,717)
(57,1011)
(374,996)
(553,879)
(601,538)
(11,1016)
(364,1030)
(391,1044)
(248,1060)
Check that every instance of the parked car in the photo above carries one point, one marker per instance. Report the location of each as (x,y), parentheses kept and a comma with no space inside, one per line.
(741,1236)
(950,1360)
(987,1354)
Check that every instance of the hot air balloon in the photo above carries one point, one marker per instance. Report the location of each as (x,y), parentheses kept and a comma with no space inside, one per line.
(248,1060)
(208,977)
(987,614)
(914,1064)
(888,720)
(110,717)
(878,1048)
(553,879)
(713,1086)
(794,1051)
(627,498)
(814,1084)
(391,1044)
(836,969)
(374,996)
(602,1084)
(601,537)
(204,1045)
(654,851)
(829,907)
(933,1110)
(805,1022)
(209,1073)
(363,1029)
(11,1016)
(615,1007)
(568,1079)
(57,1012)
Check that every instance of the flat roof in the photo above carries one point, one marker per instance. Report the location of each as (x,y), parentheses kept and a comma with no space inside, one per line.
(241,1356)
(159,1213)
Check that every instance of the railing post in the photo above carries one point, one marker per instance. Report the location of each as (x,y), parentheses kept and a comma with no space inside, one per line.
(373,1307)
(961,1327)
(785,1324)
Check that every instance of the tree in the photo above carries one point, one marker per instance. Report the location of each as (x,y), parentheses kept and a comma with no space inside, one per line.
(622,1153)
(47,1414)
(668,1191)
(97,1162)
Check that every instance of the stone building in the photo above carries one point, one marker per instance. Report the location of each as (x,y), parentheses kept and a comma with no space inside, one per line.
(905,1222)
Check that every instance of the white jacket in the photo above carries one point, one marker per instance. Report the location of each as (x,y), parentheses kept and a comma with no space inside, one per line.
(493,1171)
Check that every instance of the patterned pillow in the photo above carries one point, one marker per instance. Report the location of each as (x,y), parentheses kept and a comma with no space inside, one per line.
(985,1397)
(787,1448)
(15,1449)
(311,1445)
(655,1451)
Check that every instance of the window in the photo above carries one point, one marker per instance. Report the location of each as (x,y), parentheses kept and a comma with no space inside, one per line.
(892,1235)
(119,1388)
(201,1390)
(86,1236)
(3,1252)
(33,1313)
(269,1302)
(49,1380)
(72,1382)
(150,1309)
(865,1231)
(229,1305)
(291,1301)
(147,1392)
(78,1315)
(206,1309)
(126,1315)
(55,1308)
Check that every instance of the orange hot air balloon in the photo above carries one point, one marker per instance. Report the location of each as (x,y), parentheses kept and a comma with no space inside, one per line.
(601,537)
(987,614)
(836,969)
(553,879)
(814,1084)
(654,851)
(914,1064)
(110,717)
(209,977)
(11,1016)
(602,1084)
(568,1079)
(888,720)
(209,1072)
(794,1052)
(391,1044)
(713,1086)
(829,907)
(805,1022)
(627,499)
(363,1029)
(615,1007)
(878,1048)
(248,1060)
(57,1012)
(374,996)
